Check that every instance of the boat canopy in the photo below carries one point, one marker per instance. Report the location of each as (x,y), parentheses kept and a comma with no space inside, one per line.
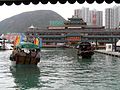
(27,45)
(85,44)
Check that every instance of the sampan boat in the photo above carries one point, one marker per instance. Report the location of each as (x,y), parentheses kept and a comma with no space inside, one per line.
(25,58)
(85,50)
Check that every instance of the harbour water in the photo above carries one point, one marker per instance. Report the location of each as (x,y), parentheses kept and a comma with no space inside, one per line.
(61,69)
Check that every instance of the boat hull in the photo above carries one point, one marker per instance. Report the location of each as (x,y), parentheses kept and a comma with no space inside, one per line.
(86,54)
(24,60)
(13,63)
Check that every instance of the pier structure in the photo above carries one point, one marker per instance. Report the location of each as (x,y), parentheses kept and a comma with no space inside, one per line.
(111,53)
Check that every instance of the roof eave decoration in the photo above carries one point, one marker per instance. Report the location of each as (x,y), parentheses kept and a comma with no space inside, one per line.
(32,27)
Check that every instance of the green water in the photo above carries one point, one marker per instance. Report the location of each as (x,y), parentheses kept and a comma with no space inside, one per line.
(60,69)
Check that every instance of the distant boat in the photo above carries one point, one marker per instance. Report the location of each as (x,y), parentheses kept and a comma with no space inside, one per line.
(8,46)
(0,46)
(85,50)
(5,45)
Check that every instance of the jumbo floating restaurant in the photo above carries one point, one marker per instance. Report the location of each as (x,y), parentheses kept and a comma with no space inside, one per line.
(71,32)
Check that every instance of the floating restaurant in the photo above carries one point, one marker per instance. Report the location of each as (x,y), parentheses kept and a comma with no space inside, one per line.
(72,31)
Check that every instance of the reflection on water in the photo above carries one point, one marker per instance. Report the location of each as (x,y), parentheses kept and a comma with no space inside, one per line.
(26,77)
(61,70)
(85,60)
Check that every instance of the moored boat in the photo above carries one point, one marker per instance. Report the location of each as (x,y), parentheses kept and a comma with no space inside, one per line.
(85,50)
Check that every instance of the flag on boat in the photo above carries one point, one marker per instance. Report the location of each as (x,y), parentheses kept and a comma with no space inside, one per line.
(36,41)
(17,40)
(22,37)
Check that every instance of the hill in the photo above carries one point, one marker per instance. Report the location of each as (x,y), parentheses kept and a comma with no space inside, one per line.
(21,22)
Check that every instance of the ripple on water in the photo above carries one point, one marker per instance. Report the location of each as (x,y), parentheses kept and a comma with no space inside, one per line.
(61,70)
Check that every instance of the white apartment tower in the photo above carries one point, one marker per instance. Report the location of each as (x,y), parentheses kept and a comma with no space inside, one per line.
(85,14)
(116,16)
(112,17)
(82,13)
(99,17)
(78,13)
(108,18)
(91,17)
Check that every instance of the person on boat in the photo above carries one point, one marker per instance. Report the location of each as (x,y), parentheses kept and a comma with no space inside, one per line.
(38,54)
(88,48)
(33,53)
(93,47)
(22,53)
(15,51)
(19,50)
(77,47)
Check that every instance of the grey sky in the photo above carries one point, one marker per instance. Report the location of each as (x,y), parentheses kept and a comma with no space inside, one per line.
(65,10)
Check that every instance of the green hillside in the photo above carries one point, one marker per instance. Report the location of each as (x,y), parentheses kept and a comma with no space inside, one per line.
(21,22)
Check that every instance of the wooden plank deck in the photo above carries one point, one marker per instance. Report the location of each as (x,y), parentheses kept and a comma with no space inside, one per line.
(111,53)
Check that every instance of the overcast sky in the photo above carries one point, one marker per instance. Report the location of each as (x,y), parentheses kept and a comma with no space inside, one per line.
(65,10)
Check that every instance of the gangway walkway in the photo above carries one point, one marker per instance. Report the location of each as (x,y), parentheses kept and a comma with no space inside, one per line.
(111,53)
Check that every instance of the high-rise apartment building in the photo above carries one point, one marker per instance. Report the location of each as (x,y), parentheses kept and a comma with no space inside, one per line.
(82,13)
(112,17)
(78,13)
(91,17)
(99,17)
